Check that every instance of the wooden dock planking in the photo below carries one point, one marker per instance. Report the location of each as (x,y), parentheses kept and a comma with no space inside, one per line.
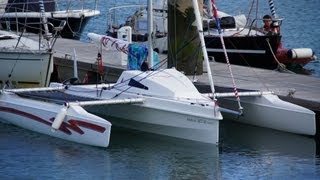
(305,87)
(86,57)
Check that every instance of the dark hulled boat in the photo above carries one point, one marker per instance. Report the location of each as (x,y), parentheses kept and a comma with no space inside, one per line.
(245,50)
(25,14)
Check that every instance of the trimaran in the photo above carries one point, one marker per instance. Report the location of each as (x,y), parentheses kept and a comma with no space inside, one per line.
(162,101)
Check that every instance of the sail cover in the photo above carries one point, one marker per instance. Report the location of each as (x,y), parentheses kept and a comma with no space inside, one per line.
(29,6)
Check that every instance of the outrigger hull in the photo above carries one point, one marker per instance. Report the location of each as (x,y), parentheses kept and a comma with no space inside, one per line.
(77,126)
(271,112)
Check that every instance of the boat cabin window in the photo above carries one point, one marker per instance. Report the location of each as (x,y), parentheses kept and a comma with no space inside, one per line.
(228,22)
(4,37)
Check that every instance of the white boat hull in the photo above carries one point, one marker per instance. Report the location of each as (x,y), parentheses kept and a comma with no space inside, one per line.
(24,62)
(53,14)
(172,105)
(175,120)
(271,112)
(27,68)
(77,126)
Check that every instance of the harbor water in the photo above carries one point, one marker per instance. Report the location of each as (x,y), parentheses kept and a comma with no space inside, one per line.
(244,152)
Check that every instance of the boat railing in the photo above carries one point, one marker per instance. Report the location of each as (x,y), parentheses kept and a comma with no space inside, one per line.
(115,15)
(135,16)
(18,15)
(57,5)
(31,25)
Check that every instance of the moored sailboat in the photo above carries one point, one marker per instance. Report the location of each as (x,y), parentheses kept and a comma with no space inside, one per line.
(246,43)
(25,62)
(25,14)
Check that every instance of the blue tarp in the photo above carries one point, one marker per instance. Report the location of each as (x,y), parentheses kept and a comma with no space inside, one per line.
(137,54)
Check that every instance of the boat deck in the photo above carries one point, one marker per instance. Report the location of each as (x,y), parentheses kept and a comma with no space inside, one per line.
(300,89)
(54,96)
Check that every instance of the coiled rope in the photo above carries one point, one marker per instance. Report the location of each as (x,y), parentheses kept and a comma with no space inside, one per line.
(281,66)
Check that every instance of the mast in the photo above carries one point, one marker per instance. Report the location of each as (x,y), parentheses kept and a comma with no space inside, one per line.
(150,34)
(44,22)
(209,8)
(203,45)
(272,9)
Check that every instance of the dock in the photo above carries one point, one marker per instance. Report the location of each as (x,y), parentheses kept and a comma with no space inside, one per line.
(299,89)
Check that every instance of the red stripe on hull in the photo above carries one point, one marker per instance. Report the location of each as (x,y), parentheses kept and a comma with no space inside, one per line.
(72,124)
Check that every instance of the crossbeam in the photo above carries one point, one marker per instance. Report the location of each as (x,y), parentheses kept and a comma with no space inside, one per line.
(231,94)
(109,101)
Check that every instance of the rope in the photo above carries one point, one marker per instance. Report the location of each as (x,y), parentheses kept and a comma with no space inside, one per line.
(75,33)
(249,14)
(281,66)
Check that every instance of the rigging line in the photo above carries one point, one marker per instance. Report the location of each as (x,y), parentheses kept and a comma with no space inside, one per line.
(248,17)
(167,97)
(234,46)
(19,40)
(172,46)
(186,39)
(152,73)
(161,63)
(12,69)
(175,32)
(226,55)
(76,33)
(187,43)
(251,68)
(25,25)
(197,52)
(123,82)
(189,29)
(257,9)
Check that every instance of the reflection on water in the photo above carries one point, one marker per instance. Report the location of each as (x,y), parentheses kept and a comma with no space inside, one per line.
(131,155)
(244,152)
(264,153)
(160,157)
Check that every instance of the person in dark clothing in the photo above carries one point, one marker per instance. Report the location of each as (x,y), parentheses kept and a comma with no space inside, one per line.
(270,25)
(144,66)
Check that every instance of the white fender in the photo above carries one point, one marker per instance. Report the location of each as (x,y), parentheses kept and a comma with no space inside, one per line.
(59,118)
(298,53)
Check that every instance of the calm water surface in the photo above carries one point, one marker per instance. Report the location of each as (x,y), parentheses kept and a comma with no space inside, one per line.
(245,152)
